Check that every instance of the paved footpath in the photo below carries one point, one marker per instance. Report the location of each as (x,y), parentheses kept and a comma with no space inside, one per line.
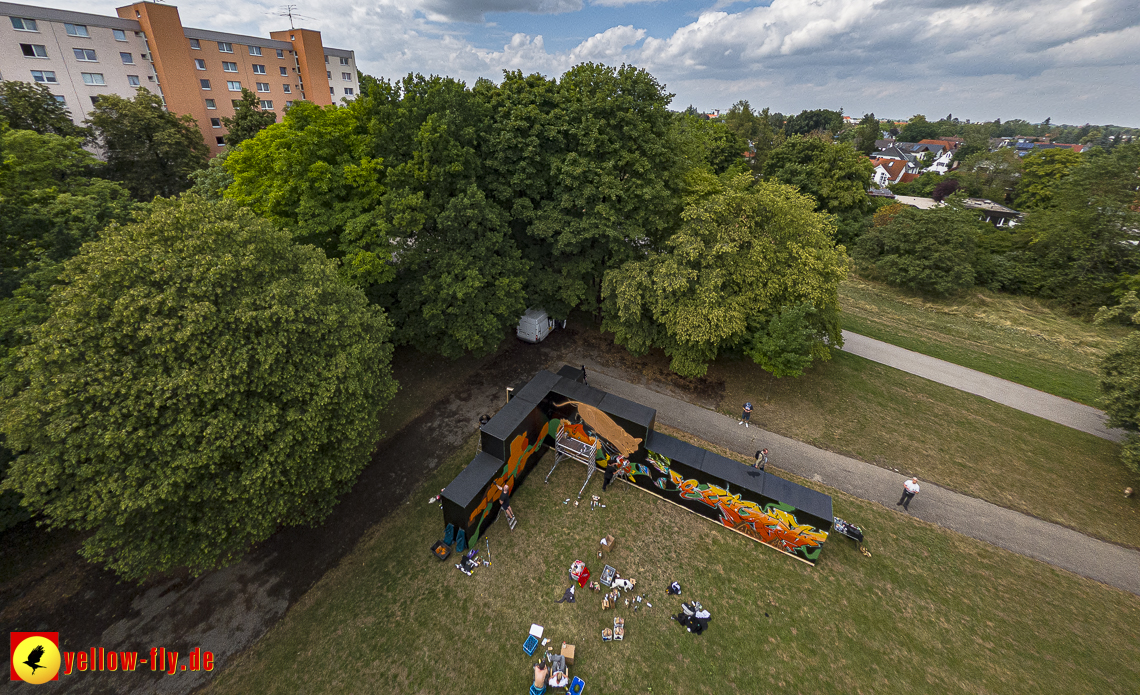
(1019,533)
(1044,405)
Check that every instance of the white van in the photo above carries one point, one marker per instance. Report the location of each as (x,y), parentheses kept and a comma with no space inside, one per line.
(534,326)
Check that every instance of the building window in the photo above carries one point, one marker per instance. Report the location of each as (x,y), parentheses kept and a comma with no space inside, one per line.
(229,67)
(255,50)
(344,61)
(85,54)
(21,24)
(329,74)
(234,86)
(236,103)
(326,60)
(133,80)
(196,44)
(280,53)
(199,63)
(284,71)
(33,50)
(215,123)
(258,69)
(288,104)
(120,35)
(225,47)
(263,86)
(210,104)
(60,99)
(346,76)
(220,140)
(332,92)
(348,91)
(93,78)
(287,89)
(205,84)
(95,100)
(266,105)
(76,30)
(128,59)
(44,76)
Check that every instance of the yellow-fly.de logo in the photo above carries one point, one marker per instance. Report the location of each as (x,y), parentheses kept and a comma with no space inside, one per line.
(35,656)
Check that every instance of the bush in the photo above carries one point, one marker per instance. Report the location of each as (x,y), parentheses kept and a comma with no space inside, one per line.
(930,251)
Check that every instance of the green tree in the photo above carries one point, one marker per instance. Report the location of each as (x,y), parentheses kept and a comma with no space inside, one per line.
(1120,380)
(867,133)
(248,119)
(753,268)
(704,142)
(149,149)
(214,381)
(50,202)
(763,131)
(833,173)
(929,251)
(918,129)
(1084,242)
(1040,172)
(817,120)
(30,106)
(991,175)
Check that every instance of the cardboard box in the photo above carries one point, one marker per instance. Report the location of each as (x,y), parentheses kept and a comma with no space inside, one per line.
(568,652)
(606,544)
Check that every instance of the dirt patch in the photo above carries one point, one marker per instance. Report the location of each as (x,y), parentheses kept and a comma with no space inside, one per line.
(227,610)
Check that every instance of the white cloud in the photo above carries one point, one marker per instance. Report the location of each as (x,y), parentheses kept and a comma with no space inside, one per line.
(606,47)
(474,10)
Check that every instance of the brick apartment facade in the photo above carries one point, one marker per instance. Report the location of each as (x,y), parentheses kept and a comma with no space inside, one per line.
(80,56)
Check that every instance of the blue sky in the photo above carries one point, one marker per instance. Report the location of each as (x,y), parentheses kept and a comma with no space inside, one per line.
(1076,61)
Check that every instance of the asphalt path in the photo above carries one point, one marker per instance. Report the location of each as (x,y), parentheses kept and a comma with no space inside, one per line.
(1044,405)
(1059,546)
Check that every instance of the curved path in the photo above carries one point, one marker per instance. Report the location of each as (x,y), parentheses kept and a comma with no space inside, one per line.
(1044,405)
(1016,532)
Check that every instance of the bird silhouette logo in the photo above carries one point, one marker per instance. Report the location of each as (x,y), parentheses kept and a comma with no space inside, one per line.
(35,656)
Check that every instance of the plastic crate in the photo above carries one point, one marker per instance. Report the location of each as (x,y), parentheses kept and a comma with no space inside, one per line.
(530,645)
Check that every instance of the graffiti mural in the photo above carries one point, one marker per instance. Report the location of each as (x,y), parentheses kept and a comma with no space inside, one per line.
(521,454)
(772,523)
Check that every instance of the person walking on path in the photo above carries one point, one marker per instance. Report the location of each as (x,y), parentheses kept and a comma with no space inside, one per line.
(910,489)
(746,415)
(761,459)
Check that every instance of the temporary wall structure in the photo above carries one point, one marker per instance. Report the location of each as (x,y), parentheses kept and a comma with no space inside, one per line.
(776,512)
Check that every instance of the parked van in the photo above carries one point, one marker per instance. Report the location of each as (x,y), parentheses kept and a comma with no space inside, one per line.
(534,326)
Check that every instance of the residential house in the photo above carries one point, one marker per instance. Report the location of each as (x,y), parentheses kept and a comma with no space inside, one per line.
(941,163)
(888,171)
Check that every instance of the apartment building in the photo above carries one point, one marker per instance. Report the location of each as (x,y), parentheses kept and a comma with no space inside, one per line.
(79,57)
(195,71)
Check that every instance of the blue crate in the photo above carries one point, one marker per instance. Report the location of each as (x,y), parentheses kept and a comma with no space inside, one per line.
(530,645)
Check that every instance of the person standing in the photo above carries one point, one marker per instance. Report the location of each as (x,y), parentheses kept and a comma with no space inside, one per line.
(910,489)
(584,382)
(746,415)
(505,501)
(761,459)
(611,468)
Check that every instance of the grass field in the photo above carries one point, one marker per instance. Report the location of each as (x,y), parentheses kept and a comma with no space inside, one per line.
(930,612)
(966,443)
(1012,337)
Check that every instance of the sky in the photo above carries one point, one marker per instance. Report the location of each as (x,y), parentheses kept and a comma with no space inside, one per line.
(1075,61)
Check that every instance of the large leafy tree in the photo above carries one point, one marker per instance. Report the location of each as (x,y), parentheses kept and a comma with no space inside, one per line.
(834,174)
(929,251)
(702,142)
(248,119)
(1040,172)
(149,149)
(1120,379)
(202,381)
(867,133)
(763,130)
(30,106)
(816,120)
(753,268)
(918,129)
(991,175)
(1084,242)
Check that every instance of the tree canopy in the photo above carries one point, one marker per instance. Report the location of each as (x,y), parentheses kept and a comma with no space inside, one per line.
(149,150)
(753,268)
(1040,172)
(202,380)
(31,106)
(248,119)
(918,129)
(927,251)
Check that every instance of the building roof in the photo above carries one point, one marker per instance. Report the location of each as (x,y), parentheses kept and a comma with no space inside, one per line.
(48,14)
(948,144)
(988,206)
(192,33)
(893,153)
(907,178)
(893,167)
(917,201)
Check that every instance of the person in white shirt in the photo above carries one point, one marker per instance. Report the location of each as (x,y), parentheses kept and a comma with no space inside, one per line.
(910,489)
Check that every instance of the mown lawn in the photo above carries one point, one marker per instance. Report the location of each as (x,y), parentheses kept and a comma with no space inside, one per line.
(1016,338)
(930,612)
(966,443)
